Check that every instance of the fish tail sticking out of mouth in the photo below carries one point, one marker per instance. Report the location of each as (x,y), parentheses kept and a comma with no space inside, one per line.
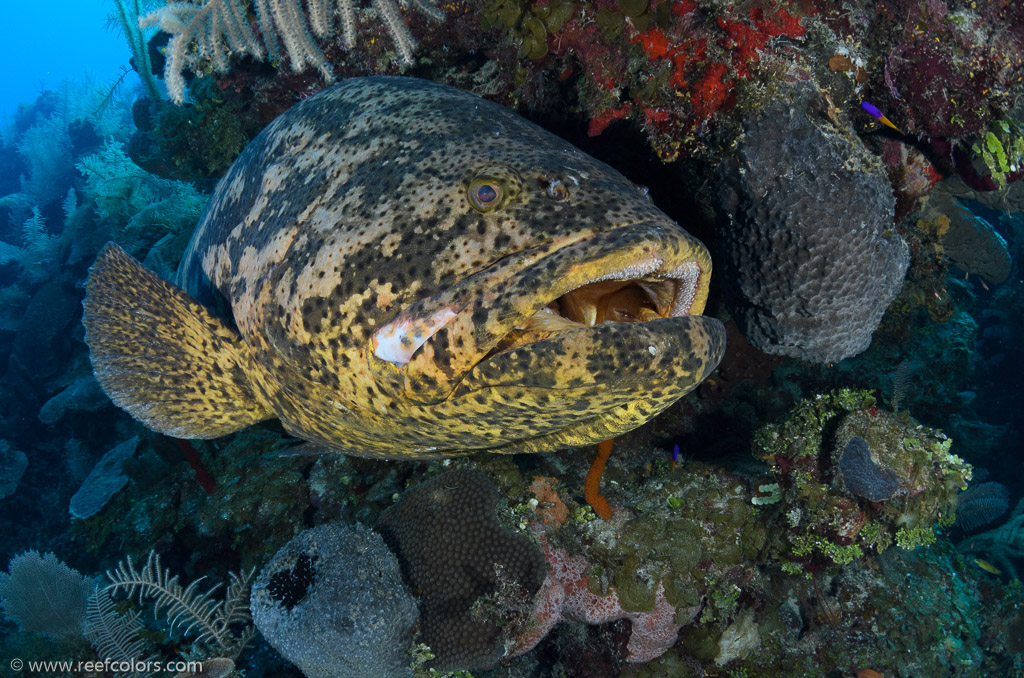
(637,294)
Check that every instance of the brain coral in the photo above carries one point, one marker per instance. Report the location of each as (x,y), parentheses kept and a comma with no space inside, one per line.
(332,603)
(805,230)
(474,577)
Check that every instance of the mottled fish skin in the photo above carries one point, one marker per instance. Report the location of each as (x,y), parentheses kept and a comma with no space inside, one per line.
(350,216)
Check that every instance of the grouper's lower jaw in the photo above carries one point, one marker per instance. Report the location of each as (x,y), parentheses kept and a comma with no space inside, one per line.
(593,383)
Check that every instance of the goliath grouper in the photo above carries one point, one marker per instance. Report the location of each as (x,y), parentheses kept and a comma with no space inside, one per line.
(395,268)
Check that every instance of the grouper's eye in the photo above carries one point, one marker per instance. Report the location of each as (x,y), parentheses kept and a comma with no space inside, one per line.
(485,194)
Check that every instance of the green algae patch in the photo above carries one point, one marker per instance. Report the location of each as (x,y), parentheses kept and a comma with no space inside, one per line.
(635,589)
(668,664)
(682,591)
(803,433)
(701,642)
(528,23)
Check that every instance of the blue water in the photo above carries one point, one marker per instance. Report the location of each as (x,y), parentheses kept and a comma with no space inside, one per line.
(42,43)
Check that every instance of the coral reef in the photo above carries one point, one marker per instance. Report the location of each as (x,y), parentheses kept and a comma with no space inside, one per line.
(674,547)
(333,603)
(712,562)
(949,69)
(565,596)
(855,478)
(680,74)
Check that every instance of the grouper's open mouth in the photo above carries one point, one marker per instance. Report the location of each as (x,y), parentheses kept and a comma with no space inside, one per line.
(617,311)
(636,294)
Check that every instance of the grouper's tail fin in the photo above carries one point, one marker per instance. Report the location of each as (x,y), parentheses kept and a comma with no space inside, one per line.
(162,356)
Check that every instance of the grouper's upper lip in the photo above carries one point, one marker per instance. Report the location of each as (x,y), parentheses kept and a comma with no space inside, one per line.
(647,270)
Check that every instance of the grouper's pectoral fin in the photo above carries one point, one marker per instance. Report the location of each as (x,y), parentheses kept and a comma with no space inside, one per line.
(162,356)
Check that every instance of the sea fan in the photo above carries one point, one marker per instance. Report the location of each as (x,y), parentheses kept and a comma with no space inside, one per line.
(44,595)
(1000,544)
(981,504)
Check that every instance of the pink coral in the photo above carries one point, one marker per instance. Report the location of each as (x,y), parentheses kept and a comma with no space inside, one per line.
(564,595)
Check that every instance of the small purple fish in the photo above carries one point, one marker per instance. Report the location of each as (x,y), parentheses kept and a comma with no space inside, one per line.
(878,115)
(675,458)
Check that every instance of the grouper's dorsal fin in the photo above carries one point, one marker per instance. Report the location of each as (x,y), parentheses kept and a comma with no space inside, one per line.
(162,356)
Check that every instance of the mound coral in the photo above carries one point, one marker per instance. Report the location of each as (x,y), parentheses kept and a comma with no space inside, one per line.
(805,220)
(473,576)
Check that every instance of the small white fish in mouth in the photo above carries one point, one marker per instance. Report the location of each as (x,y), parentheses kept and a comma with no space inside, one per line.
(395,268)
